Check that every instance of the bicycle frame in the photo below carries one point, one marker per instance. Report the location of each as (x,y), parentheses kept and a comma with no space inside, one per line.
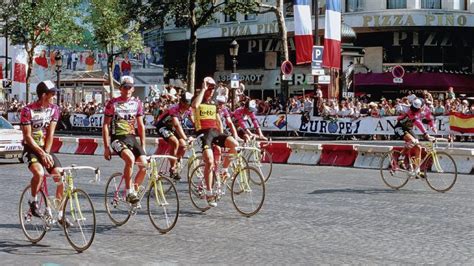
(430,148)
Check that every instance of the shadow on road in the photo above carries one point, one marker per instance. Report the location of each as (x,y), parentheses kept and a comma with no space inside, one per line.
(26,248)
(356,191)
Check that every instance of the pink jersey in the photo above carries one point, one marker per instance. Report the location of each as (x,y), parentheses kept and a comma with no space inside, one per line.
(39,118)
(164,120)
(242,115)
(409,118)
(124,114)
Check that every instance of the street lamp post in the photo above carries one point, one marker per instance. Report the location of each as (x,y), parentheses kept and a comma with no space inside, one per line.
(59,65)
(234,51)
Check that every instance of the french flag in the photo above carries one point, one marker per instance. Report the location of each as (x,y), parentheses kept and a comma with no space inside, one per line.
(332,35)
(303,31)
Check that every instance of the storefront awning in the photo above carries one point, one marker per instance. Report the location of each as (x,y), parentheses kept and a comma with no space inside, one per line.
(429,81)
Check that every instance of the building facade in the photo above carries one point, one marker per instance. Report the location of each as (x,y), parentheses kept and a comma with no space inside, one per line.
(433,40)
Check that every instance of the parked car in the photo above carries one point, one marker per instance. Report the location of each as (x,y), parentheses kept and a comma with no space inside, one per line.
(10,140)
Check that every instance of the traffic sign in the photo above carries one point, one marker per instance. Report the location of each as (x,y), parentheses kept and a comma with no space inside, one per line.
(398,71)
(397,80)
(234,80)
(317,60)
(287,67)
(287,77)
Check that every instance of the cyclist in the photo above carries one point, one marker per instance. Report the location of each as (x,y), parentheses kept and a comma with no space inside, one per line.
(169,128)
(404,129)
(208,123)
(38,122)
(242,115)
(121,114)
(226,119)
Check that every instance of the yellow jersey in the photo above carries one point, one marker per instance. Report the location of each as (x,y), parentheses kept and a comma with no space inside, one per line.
(205,117)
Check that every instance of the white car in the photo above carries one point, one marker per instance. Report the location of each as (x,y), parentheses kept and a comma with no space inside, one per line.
(10,140)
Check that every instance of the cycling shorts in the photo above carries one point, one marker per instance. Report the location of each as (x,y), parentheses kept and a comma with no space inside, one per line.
(212,136)
(122,142)
(32,157)
(401,131)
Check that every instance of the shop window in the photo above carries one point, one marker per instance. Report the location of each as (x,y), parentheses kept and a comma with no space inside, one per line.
(288,8)
(251,16)
(396,4)
(431,4)
(355,5)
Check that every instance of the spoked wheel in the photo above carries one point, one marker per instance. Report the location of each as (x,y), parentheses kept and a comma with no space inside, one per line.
(197,189)
(33,227)
(394,175)
(79,221)
(262,161)
(248,191)
(441,171)
(116,204)
(163,204)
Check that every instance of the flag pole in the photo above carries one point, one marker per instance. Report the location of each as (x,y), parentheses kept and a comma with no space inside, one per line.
(316,42)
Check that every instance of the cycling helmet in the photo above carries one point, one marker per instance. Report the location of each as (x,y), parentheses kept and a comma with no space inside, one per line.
(416,105)
(186,98)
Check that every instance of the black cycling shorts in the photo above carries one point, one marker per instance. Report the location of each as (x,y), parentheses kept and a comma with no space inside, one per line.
(32,157)
(400,131)
(120,143)
(212,136)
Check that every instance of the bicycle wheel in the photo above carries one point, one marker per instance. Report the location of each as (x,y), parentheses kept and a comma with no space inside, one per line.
(247,194)
(33,227)
(79,217)
(197,189)
(263,162)
(163,204)
(441,171)
(394,175)
(116,205)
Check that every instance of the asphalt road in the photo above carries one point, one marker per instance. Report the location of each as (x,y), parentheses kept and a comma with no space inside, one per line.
(311,215)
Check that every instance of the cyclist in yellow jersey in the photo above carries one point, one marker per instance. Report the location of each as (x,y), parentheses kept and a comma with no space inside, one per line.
(208,123)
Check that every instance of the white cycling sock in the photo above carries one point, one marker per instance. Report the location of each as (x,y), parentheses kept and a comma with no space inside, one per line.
(60,215)
(35,198)
(130,191)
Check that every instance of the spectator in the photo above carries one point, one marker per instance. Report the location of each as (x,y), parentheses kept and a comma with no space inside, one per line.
(126,67)
(450,95)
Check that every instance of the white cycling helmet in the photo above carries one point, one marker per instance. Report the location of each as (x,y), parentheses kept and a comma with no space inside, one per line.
(416,103)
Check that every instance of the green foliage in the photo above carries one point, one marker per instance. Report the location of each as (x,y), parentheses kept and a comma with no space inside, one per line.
(113,27)
(41,22)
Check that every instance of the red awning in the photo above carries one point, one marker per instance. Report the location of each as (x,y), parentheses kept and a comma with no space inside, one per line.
(429,81)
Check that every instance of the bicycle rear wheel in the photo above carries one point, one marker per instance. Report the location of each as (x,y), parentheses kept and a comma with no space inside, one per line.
(263,162)
(248,191)
(394,175)
(441,171)
(33,227)
(116,205)
(163,204)
(79,220)
(197,189)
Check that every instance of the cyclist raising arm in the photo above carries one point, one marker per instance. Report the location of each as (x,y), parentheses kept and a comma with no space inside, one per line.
(242,114)
(169,128)
(121,113)
(404,129)
(38,122)
(208,123)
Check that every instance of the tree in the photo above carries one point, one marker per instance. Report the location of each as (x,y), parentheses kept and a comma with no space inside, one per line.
(115,30)
(40,22)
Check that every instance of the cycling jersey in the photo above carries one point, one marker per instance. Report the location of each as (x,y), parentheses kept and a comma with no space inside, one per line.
(124,115)
(205,117)
(242,115)
(39,118)
(165,119)
(224,114)
(409,119)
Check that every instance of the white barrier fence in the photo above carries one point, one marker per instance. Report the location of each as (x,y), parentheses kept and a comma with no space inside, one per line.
(291,122)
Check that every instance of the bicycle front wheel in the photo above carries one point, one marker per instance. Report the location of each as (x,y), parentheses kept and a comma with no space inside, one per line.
(33,227)
(262,160)
(197,189)
(441,171)
(192,163)
(163,204)
(248,191)
(393,174)
(116,205)
(79,220)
